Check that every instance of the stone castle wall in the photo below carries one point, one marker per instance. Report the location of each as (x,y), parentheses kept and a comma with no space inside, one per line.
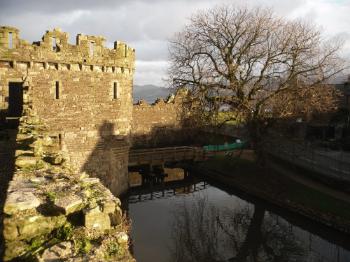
(163,123)
(174,122)
(82,92)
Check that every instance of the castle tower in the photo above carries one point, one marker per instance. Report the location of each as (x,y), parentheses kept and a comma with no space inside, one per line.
(82,92)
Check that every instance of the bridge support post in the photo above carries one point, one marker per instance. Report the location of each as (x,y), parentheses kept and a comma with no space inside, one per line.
(185,173)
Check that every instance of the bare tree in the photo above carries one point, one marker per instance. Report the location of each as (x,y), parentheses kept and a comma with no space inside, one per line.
(247,59)
(303,101)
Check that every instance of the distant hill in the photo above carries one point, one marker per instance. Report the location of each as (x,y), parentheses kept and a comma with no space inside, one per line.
(150,93)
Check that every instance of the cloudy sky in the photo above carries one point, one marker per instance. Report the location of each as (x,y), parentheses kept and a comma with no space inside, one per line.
(147,24)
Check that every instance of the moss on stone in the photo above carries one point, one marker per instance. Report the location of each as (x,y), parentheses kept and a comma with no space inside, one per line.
(112,250)
(65,232)
(51,196)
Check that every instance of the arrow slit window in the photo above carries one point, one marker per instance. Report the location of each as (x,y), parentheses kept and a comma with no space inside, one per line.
(57,90)
(115,91)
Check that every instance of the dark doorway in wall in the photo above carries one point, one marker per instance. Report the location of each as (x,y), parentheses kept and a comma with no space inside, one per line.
(15,99)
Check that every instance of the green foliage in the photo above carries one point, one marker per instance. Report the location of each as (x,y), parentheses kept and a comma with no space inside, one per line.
(39,165)
(51,196)
(65,232)
(82,245)
(36,243)
(93,194)
(113,250)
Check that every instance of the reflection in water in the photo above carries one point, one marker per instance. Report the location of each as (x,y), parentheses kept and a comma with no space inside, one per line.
(202,232)
(211,225)
(172,174)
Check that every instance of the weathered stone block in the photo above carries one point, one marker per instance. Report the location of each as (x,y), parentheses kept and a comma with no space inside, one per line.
(116,217)
(38,180)
(69,203)
(24,152)
(54,159)
(58,252)
(95,219)
(37,225)
(21,137)
(90,181)
(47,141)
(108,207)
(19,201)
(15,249)
(26,162)
(10,230)
(21,186)
(122,238)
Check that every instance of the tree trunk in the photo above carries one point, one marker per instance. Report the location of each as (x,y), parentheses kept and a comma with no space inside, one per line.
(253,238)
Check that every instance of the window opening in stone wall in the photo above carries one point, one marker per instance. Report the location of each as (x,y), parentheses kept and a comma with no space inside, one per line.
(91,48)
(10,40)
(54,44)
(115,90)
(57,90)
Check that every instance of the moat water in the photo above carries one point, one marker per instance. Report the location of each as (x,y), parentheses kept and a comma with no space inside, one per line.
(200,221)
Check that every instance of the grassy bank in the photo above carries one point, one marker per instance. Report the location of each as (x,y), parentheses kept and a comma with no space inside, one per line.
(244,174)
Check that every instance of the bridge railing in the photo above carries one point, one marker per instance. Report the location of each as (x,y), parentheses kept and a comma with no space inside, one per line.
(145,156)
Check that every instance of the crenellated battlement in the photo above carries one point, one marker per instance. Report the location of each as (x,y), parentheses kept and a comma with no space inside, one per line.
(54,48)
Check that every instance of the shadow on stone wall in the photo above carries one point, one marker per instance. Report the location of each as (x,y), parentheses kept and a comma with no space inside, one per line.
(166,136)
(108,161)
(8,133)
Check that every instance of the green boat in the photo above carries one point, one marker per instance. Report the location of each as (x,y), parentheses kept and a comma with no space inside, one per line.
(225,147)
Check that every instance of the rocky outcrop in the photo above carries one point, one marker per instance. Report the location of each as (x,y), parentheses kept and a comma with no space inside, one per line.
(54,213)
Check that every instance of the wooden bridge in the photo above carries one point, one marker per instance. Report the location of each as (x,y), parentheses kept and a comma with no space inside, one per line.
(156,156)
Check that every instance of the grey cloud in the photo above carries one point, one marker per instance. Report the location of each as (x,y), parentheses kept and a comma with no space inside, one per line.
(130,21)
(151,50)
(146,70)
(144,24)
(53,7)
